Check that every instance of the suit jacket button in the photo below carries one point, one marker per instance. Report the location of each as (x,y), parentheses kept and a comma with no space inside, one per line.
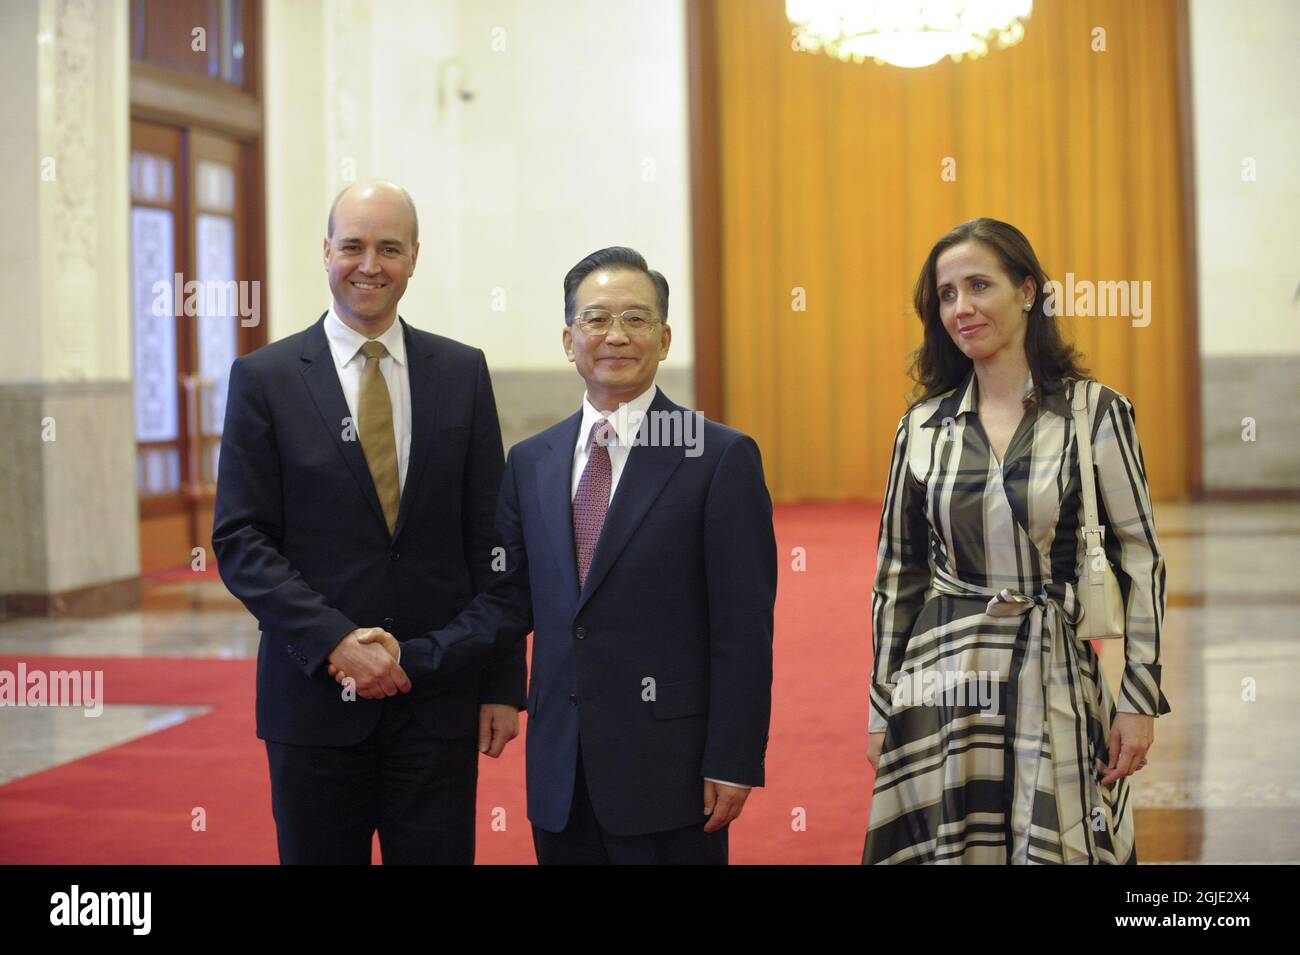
(394,555)
(388,624)
(581,633)
(573,698)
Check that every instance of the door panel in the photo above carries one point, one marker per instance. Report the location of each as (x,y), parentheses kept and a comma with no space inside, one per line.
(189,275)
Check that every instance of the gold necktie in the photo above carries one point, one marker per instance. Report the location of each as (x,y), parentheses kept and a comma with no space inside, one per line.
(375,422)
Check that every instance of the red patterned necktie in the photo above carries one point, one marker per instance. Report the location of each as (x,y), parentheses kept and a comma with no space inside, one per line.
(592,500)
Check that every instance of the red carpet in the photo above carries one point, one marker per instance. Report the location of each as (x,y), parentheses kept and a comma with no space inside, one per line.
(134,803)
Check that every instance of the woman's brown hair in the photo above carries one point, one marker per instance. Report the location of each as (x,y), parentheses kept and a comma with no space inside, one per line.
(939,366)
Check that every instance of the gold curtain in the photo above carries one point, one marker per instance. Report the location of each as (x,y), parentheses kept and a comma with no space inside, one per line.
(831,188)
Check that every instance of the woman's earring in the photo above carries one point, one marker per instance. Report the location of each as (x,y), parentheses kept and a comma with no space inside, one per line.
(1028,306)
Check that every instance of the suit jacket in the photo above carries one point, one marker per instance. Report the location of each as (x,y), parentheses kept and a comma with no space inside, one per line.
(300,536)
(662,665)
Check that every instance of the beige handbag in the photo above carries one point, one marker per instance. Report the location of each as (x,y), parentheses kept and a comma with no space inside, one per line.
(1097,589)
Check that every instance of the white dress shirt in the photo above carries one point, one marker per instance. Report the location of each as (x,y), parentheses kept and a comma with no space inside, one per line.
(624,422)
(345,346)
(628,419)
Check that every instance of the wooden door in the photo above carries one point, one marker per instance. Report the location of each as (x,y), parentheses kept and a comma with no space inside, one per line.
(195,310)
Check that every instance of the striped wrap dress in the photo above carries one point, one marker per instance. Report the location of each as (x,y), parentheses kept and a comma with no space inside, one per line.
(996,717)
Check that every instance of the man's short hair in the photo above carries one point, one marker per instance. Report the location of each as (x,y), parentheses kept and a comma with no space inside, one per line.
(617,257)
(410,204)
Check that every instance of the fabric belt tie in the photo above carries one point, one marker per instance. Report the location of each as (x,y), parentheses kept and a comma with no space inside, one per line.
(1066,725)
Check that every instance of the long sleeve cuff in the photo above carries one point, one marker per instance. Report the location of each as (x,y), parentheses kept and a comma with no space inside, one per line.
(880,698)
(1140,690)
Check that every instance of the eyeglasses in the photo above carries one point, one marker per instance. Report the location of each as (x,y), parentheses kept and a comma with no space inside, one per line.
(597,322)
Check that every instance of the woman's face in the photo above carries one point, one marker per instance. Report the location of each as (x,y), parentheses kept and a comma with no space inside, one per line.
(981,307)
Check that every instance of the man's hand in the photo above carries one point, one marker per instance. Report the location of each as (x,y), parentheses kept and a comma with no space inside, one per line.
(498,724)
(381,637)
(722,804)
(369,635)
(368,656)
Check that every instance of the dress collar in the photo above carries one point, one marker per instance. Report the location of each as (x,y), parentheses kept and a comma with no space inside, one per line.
(965,398)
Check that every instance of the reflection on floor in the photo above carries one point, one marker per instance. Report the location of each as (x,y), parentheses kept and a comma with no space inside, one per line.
(1223,784)
(37,738)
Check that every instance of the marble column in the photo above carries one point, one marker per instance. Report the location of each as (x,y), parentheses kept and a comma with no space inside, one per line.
(68,506)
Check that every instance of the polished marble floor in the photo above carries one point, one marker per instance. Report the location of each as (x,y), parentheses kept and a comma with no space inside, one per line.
(1223,784)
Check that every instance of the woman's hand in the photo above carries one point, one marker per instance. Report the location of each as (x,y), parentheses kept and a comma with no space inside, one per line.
(875,742)
(1131,735)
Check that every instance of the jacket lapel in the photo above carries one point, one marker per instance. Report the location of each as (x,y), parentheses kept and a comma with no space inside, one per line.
(322,382)
(554,485)
(422,372)
(647,470)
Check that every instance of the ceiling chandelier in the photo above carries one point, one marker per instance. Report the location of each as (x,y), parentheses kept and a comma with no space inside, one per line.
(904,33)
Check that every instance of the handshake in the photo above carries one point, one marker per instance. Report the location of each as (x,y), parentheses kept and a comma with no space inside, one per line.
(368,657)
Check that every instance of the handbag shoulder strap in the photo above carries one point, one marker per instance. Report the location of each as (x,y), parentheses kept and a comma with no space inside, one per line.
(1083,442)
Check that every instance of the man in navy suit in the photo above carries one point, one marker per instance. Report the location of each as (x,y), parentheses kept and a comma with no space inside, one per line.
(639,547)
(359,469)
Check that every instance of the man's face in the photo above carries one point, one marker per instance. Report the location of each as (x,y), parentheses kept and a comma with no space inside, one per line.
(370,256)
(619,365)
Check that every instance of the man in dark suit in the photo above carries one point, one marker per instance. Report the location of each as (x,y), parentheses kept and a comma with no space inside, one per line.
(639,547)
(359,469)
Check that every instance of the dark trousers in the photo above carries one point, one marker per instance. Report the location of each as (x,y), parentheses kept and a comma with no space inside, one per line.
(416,790)
(584,842)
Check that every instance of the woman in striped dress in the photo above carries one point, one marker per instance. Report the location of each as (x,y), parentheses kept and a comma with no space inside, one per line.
(994,735)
